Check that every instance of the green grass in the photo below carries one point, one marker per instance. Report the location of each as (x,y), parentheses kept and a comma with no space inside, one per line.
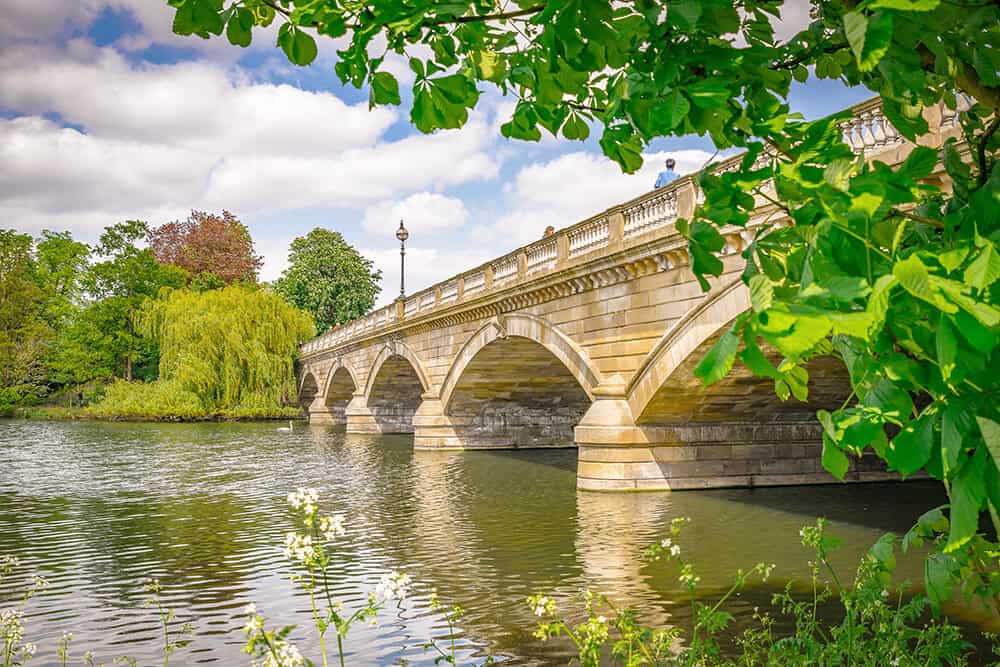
(62,413)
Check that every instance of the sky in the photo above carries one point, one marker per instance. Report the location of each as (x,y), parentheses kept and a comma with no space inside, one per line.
(106,115)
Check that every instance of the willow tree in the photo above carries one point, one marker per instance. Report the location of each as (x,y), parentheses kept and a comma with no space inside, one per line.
(233,348)
(891,272)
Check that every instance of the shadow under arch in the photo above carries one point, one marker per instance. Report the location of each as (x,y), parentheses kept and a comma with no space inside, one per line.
(308,389)
(517,382)
(339,388)
(561,346)
(395,387)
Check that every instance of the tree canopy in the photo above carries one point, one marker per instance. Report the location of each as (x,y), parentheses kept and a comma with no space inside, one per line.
(895,272)
(104,341)
(24,335)
(211,248)
(327,277)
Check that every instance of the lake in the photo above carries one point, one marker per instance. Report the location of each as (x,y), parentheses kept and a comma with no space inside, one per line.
(99,507)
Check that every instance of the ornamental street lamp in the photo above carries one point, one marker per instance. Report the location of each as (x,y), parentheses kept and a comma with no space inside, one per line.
(402,235)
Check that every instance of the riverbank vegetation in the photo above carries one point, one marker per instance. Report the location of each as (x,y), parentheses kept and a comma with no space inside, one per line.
(164,322)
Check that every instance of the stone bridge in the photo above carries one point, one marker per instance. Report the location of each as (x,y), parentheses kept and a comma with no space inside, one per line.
(589,338)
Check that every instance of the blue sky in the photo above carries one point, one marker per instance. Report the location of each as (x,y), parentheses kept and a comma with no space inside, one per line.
(105,115)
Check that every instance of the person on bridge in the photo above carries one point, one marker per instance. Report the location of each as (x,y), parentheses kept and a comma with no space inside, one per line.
(666,176)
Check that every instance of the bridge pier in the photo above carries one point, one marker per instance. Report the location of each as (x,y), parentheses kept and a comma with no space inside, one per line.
(359,417)
(432,429)
(616,454)
(321,414)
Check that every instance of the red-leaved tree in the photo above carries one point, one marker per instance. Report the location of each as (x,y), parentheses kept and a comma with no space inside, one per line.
(208,244)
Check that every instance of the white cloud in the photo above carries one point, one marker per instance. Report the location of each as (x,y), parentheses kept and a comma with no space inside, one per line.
(32,19)
(49,170)
(573,187)
(173,137)
(24,21)
(794,19)
(422,212)
(191,104)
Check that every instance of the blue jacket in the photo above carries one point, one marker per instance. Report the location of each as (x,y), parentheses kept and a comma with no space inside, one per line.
(666,176)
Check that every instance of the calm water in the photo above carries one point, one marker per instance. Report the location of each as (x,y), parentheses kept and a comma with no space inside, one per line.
(98,507)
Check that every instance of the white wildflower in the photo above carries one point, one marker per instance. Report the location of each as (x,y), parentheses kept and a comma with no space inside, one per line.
(542,605)
(284,655)
(11,626)
(666,542)
(393,586)
(253,625)
(299,547)
(250,609)
(304,499)
(675,550)
(28,651)
(332,527)
(8,563)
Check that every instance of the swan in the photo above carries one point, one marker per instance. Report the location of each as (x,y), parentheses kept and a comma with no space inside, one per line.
(282,429)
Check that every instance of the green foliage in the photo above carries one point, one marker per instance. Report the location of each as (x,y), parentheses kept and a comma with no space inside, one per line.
(102,342)
(327,277)
(160,400)
(227,352)
(61,263)
(712,67)
(24,333)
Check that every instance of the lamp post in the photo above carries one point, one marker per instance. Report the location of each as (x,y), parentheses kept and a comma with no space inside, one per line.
(402,235)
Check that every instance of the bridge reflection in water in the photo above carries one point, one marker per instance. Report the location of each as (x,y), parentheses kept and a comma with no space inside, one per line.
(589,338)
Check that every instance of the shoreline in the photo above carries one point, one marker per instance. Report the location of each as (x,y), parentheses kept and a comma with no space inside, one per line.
(58,413)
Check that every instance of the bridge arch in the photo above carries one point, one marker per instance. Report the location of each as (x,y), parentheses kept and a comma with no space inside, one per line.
(394,387)
(308,388)
(516,382)
(665,390)
(338,389)
(338,374)
(398,350)
(702,323)
(536,329)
